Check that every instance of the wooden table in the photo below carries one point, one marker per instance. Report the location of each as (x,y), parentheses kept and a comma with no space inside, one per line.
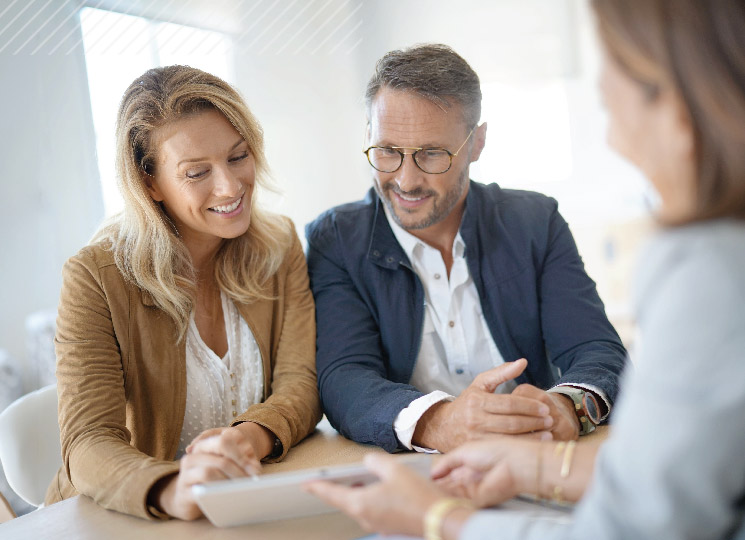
(81,518)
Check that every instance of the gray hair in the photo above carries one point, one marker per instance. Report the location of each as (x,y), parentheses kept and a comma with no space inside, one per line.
(433,71)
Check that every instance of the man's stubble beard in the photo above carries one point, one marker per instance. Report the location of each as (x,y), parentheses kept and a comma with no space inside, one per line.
(440,209)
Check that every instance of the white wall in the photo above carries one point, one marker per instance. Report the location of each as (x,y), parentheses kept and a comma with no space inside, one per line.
(50,200)
(302,66)
(311,108)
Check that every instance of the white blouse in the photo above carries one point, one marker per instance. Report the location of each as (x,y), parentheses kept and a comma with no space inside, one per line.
(218,389)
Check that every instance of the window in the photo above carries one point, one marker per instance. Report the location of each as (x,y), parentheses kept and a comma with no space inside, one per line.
(120,47)
(528,137)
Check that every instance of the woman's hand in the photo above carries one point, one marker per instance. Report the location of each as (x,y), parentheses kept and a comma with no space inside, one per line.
(489,472)
(395,504)
(172,494)
(216,454)
(246,443)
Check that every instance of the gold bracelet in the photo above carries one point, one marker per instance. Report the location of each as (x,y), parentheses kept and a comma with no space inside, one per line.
(538,471)
(436,514)
(559,448)
(556,495)
(566,464)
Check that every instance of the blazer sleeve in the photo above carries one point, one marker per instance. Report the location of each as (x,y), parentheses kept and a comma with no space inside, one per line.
(96,453)
(578,337)
(293,407)
(357,394)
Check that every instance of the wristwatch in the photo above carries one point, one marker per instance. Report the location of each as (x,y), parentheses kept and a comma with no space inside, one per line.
(585,406)
(276,448)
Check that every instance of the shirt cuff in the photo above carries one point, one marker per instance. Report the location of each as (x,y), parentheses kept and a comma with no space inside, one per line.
(406,421)
(589,388)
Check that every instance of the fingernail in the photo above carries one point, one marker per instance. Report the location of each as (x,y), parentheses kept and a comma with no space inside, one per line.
(543,410)
(546,436)
(548,422)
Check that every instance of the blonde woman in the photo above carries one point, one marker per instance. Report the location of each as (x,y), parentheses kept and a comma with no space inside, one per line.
(672,468)
(186,334)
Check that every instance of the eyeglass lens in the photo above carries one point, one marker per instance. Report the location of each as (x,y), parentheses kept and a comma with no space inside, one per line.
(432,161)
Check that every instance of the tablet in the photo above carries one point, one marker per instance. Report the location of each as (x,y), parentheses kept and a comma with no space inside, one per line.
(270,497)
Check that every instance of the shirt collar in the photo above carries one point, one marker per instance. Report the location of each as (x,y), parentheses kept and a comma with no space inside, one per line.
(411,244)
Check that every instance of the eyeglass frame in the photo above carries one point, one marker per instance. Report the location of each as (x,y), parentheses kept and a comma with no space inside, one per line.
(413,154)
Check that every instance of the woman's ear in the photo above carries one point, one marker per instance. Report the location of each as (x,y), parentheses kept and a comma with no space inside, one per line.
(152,187)
(686,137)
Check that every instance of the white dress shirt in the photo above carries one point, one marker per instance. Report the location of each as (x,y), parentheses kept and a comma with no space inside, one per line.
(456,342)
(218,389)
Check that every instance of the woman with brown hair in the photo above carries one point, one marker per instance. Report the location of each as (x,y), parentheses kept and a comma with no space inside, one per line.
(186,333)
(674,85)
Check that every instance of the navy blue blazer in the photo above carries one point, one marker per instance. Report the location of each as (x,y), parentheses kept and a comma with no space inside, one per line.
(536,298)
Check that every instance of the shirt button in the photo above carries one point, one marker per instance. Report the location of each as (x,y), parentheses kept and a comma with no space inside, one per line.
(437,276)
(451,324)
(459,371)
(232,388)
(232,375)
(235,413)
(232,402)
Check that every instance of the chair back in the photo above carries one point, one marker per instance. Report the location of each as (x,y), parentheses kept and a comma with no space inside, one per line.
(30,443)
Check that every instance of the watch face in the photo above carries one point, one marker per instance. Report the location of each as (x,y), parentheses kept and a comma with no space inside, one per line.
(592,409)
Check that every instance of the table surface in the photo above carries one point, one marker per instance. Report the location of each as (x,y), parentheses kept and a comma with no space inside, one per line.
(81,518)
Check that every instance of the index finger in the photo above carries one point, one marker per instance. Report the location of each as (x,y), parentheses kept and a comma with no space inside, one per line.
(445,465)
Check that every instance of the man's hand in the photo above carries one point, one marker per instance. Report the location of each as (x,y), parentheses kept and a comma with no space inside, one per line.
(478,412)
(566,424)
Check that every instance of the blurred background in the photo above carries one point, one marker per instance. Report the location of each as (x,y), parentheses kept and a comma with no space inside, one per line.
(302,66)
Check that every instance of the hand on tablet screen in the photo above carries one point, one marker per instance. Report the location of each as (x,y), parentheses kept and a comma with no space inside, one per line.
(173,494)
(216,454)
(395,504)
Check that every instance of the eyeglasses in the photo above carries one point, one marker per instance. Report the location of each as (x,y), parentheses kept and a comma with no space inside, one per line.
(388,159)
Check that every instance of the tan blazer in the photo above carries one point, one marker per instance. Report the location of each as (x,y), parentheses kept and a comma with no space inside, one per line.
(121,378)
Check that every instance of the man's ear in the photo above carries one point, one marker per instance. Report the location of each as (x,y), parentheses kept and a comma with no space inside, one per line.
(368,130)
(479,140)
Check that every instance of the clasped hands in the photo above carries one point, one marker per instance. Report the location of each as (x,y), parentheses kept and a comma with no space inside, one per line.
(479,413)
(216,454)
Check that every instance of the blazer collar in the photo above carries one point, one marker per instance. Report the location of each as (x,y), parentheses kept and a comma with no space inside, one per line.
(384,250)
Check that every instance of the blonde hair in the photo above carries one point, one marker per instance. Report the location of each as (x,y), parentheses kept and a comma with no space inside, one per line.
(147,248)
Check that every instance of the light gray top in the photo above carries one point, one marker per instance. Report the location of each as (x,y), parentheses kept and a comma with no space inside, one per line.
(674,464)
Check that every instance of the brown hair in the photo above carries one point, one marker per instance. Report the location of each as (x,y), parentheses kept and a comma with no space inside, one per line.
(147,248)
(696,48)
(432,71)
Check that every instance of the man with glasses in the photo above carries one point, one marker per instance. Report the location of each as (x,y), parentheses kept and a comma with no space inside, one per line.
(433,291)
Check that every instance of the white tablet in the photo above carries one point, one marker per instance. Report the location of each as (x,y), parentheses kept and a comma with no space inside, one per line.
(269,497)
